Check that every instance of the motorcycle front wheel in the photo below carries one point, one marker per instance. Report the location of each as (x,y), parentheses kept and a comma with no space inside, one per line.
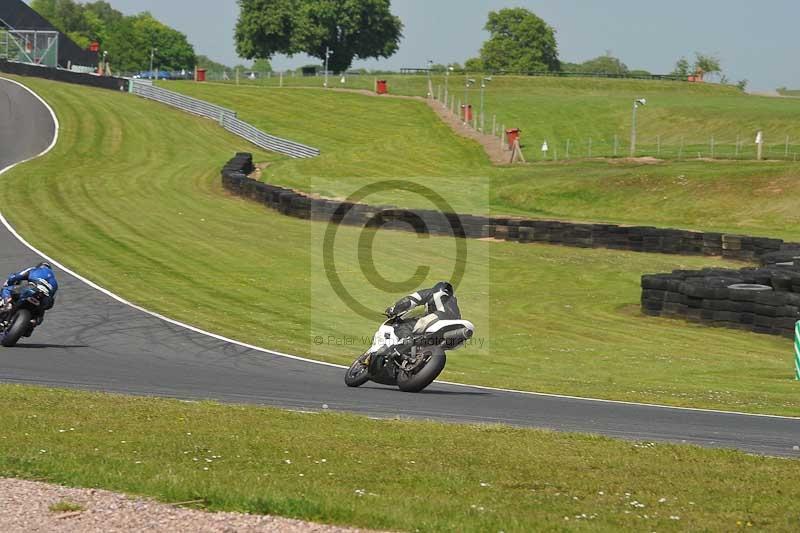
(430,370)
(358,373)
(20,323)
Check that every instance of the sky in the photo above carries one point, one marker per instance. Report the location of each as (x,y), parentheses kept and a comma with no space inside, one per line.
(755,39)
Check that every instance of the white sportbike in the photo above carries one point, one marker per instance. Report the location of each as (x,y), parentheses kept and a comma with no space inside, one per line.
(409,362)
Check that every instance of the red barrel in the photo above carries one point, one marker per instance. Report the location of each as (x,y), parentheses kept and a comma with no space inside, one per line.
(382,87)
(512,135)
(467,112)
(201,74)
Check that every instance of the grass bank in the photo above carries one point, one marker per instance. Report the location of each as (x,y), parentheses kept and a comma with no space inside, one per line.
(412,476)
(365,138)
(130,213)
(681,120)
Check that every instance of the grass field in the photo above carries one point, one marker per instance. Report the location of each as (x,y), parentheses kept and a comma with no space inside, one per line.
(366,138)
(411,476)
(109,195)
(579,109)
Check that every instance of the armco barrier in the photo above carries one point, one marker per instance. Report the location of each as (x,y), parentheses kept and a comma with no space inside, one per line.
(227,119)
(67,76)
(265,141)
(185,103)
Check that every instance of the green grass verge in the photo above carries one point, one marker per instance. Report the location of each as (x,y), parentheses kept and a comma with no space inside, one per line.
(685,117)
(131,197)
(364,138)
(414,476)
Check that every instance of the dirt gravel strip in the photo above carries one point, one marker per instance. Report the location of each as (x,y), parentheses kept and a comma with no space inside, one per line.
(25,507)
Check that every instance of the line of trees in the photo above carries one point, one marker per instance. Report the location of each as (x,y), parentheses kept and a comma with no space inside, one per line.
(128,40)
(520,41)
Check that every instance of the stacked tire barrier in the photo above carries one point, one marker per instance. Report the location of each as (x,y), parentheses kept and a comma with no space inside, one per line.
(763,300)
(631,238)
(635,238)
(292,203)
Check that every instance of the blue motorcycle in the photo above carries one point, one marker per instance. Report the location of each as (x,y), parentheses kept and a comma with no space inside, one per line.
(26,313)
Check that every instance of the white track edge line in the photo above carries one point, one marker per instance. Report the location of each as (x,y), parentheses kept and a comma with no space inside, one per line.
(303,359)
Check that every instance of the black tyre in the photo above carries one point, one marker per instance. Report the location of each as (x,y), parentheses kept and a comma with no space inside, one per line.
(19,326)
(358,373)
(415,382)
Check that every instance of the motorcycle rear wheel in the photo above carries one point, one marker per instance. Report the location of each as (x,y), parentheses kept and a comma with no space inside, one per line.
(358,373)
(20,323)
(416,382)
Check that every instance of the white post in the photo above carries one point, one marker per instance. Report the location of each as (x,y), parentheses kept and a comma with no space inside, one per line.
(430,79)
(483,88)
(760,144)
(446,87)
(797,351)
(633,131)
(327,57)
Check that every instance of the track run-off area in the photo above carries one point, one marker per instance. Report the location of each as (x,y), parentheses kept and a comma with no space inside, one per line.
(94,340)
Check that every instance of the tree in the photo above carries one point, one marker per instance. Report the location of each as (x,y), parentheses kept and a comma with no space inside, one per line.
(132,39)
(261,66)
(475,64)
(682,68)
(350,29)
(708,63)
(128,40)
(606,64)
(519,42)
(209,64)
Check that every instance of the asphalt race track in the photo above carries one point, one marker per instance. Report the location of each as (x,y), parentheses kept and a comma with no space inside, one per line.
(92,341)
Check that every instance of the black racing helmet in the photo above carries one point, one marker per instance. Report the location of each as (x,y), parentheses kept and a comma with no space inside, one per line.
(444,286)
(44,264)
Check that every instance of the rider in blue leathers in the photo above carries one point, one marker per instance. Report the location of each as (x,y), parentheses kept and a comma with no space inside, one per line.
(41,276)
